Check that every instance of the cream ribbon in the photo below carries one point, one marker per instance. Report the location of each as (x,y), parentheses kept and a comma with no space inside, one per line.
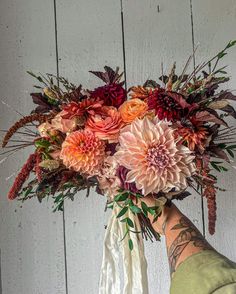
(134,262)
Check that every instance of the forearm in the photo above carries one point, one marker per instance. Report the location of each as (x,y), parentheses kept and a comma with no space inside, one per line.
(183,239)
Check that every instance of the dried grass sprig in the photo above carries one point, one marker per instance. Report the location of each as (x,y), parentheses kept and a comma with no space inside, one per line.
(210,194)
(24,121)
(38,169)
(22,176)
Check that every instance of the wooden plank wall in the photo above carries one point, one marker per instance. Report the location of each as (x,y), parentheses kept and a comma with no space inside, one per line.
(42,252)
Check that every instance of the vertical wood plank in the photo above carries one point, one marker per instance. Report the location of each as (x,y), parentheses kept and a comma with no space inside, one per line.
(156,32)
(214,26)
(89,37)
(31,239)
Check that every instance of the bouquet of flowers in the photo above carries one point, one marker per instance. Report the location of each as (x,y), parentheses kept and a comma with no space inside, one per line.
(155,140)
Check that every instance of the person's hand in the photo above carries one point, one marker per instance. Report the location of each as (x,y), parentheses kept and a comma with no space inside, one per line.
(160,224)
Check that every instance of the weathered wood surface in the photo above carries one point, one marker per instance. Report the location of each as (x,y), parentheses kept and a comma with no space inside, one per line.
(214,26)
(158,32)
(31,237)
(89,37)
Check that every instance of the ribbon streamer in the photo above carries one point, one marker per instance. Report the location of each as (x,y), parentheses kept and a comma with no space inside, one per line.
(134,262)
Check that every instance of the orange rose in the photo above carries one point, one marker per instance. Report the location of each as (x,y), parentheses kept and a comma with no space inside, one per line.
(132,109)
(106,123)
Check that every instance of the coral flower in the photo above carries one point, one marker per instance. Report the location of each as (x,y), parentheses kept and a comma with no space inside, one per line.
(193,138)
(106,124)
(131,109)
(149,149)
(141,92)
(86,106)
(83,152)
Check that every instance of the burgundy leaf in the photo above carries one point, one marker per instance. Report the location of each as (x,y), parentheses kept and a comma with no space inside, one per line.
(109,76)
(226,95)
(230,110)
(100,75)
(151,84)
(181,195)
(41,101)
(206,116)
(182,102)
(219,153)
(110,73)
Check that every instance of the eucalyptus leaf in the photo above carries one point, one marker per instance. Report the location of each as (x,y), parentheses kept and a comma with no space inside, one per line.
(130,222)
(122,212)
(135,209)
(131,245)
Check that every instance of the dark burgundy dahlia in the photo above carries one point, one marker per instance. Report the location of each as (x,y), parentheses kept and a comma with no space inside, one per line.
(122,173)
(168,105)
(112,94)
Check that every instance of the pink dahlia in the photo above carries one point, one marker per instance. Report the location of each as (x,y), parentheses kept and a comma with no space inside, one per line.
(156,162)
(83,152)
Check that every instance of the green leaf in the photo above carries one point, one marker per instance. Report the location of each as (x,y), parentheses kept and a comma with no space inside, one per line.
(231,147)
(121,197)
(38,87)
(221,54)
(42,143)
(130,222)
(222,72)
(135,209)
(139,195)
(215,165)
(124,220)
(122,212)
(151,211)
(126,233)
(221,145)
(131,245)
(155,218)
(231,43)
(144,206)
(230,152)
(31,73)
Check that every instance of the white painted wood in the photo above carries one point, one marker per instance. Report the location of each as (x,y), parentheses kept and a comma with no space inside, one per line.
(89,37)
(214,26)
(31,237)
(153,37)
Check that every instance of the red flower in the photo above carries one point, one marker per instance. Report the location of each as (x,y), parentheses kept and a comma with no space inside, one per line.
(22,176)
(112,94)
(122,173)
(168,105)
(86,106)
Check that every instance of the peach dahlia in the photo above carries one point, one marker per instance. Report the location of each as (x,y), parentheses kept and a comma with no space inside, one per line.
(83,152)
(156,162)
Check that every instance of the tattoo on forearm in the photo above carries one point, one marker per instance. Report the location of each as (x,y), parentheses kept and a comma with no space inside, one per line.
(189,233)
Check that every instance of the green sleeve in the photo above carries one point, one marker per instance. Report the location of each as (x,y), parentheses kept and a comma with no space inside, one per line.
(206,272)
